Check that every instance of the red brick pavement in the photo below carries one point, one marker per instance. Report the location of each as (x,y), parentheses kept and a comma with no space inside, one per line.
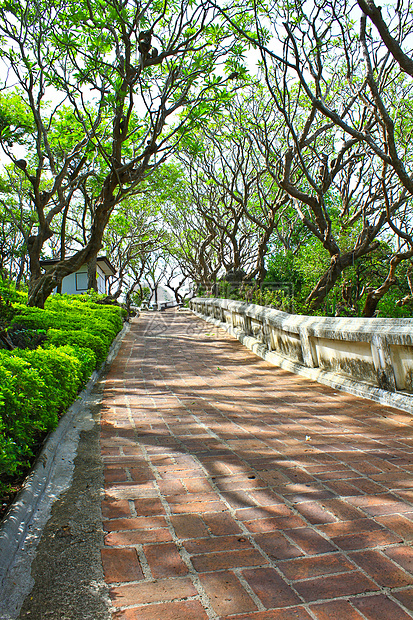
(237,490)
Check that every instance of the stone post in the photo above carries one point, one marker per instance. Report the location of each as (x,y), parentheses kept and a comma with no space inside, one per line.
(309,356)
(382,362)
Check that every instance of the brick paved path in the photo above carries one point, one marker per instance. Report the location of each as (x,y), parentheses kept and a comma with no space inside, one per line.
(237,490)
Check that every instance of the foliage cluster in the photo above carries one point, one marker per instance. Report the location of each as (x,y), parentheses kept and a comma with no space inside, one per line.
(8,295)
(291,277)
(37,383)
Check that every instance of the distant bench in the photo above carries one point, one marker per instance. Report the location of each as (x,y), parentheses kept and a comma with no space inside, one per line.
(160,305)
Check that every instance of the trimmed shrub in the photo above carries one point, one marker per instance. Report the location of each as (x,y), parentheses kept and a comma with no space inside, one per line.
(38,384)
(27,409)
(35,387)
(24,338)
(103,321)
(83,339)
(8,291)
(85,355)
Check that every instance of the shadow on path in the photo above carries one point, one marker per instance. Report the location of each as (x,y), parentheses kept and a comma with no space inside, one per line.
(237,490)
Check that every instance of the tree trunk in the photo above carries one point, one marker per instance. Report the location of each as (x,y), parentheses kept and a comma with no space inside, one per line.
(377,294)
(34,247)
(92,281)
(328,280)
(21,271)
(41,285)
(338,264)
(63,241)
(373,297)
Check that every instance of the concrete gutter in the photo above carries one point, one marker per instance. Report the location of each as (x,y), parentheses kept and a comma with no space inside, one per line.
(22,528)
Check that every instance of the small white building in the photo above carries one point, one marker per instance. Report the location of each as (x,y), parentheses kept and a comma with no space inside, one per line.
(164,296)
(76,283)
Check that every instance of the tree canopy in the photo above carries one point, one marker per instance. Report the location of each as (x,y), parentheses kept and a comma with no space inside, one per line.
(251,140)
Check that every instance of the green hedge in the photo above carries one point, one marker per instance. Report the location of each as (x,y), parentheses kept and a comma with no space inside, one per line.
(37,386)
(73,321)
(83,339)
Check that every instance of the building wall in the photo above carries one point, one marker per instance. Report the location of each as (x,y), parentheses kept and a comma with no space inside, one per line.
(76,283)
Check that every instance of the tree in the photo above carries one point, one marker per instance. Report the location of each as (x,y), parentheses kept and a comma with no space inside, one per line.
(133,234)
(233,192)
(110,89)
(345,115)
(194,242)
(16,224)
(401,31)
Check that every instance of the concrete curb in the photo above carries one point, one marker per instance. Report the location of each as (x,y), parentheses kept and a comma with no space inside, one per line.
(27,514)
(398,400)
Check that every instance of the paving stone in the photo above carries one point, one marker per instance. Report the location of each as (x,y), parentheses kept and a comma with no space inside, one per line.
(354,526)
(265,498)
(164,560)
(381,569)
(277,546)
(230,559)
(141,474)
(405,597)
(335,610)
(399,524)
(113,509)
(380,607)
(315,513)
(367,486)
(304,568)
(274,523)
(152,591)
(401,555)
(196,485)
(388,508)
(310,541)
(293,613)
(197,507)
(147,507)
(342,510)
(310,495)
(137,537)
(226,594)
(333,586)
(219,543)
(365,540)
(270,588)
(278,510)
(134,523)
(182,610)
(121,565)
(221,524)
(171,487)
(113,474)
(189,526)
(343,488)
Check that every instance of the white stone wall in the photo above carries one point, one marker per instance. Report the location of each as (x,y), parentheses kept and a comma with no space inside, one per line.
(368,357)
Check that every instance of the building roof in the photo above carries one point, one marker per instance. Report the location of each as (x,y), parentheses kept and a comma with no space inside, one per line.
(103,262)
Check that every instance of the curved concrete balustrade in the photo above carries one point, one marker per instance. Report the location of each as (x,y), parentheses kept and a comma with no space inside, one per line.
(372,358)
